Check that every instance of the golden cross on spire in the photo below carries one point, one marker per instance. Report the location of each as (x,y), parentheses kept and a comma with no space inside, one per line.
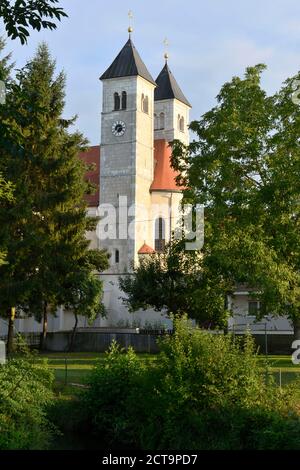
(166,44)
(130,16)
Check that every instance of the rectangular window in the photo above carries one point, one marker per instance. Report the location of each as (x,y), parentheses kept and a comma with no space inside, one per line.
(253,307)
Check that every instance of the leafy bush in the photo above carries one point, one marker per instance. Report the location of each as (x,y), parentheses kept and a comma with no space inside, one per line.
(113,386)
(211,393)
(25,391)
(205,391)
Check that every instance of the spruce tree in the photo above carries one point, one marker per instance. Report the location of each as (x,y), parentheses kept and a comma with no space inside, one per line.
(49,217)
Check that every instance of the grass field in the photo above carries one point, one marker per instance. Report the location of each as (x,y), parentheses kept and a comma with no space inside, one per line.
(282,368)
(75,367)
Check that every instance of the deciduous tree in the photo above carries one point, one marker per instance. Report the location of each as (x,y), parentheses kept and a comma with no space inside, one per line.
(20,16)
(244,166)
(178,282)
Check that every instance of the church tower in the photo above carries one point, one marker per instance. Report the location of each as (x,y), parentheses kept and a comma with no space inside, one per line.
(126,164)
(136,178)
(171,118)
(171,108)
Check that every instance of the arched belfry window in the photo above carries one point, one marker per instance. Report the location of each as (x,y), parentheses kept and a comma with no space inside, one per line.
(145,103)
(117,256)
(124,100)
(160,237)
(162,121)
(116,101)
(178,121)
(156,124)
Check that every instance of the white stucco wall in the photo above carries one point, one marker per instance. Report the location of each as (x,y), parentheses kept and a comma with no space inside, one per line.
(171,109)
(240,318)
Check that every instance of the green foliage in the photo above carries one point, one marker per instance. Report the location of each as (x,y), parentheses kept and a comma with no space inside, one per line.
(48,258)
(204,391)
(113,385)
(21,15)
(6,194)
(25,392)
(177,281)
(244,166)
(6,188)
(211,394)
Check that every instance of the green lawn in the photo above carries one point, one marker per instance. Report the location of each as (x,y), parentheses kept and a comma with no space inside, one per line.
(76,367)
(281,362)
(282,368)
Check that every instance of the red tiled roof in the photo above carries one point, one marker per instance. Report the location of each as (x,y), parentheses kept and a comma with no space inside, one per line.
(146,250)
(92,156)
(164,175)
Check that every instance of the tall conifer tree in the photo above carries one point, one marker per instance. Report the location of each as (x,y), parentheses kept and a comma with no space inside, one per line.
(49,218)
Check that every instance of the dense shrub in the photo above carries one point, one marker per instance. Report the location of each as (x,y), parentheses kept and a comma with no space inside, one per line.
(25,391)
(113,386)
(205,391)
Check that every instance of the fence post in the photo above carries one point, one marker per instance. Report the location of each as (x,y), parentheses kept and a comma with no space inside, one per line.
(280,378)
(266,340)
(66,371)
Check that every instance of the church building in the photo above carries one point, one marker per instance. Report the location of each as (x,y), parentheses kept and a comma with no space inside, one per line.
(138,200)
(140,116)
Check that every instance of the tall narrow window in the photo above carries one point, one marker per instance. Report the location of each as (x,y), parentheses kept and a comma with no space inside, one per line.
(160,240)
(116,101)
(161,121)
(117,256)
(145,103)
(181,124)
(156,126)
(124,100)
(142,101)
(178,122)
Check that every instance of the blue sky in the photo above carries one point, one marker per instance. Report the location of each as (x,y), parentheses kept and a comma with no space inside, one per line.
(210,41)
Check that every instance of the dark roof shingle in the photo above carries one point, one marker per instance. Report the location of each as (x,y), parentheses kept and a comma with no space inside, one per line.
(168,88)
(128,63)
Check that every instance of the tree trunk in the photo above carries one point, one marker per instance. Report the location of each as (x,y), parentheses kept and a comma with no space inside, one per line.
(10,333)
(296,325)
(45,327)
(73,332)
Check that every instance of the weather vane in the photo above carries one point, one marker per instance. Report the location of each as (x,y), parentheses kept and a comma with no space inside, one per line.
(166,44)
(130,16)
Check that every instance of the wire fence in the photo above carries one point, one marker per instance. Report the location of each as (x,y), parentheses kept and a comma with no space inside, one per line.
(31,339)
(76,371)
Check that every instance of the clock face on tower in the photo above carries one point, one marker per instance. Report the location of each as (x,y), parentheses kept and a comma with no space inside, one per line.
(118,128)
